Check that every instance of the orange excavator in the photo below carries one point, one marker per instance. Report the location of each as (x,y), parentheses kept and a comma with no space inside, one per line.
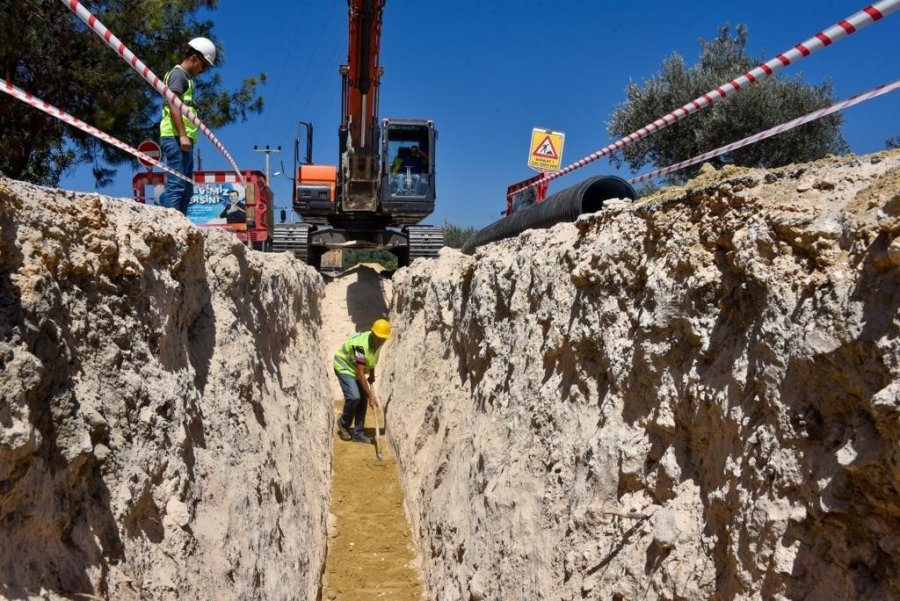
(384,184)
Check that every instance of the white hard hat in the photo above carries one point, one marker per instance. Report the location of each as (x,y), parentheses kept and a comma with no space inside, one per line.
(206,49)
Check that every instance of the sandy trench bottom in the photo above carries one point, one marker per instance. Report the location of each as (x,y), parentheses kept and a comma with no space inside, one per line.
(370,551)
(370,555)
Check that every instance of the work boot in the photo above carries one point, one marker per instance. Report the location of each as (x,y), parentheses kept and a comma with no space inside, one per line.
(362,438)
(343,434)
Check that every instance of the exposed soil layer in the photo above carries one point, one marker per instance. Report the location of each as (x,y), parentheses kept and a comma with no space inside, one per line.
(693,396)
(164,426)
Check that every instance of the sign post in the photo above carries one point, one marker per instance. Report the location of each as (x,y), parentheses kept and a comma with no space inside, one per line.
(152,150)
(546,149)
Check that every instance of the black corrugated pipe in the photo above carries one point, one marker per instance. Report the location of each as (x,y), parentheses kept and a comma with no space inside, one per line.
(566,205)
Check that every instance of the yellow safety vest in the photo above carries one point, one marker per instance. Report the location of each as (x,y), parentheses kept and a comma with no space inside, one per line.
(345,359)
(167,128)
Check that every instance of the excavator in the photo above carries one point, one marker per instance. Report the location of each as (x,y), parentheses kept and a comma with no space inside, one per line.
(384,184)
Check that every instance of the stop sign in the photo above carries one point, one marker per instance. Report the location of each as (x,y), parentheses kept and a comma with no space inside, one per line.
(152,150)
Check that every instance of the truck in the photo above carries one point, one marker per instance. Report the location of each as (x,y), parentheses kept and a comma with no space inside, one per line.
(222,201)
(383,186)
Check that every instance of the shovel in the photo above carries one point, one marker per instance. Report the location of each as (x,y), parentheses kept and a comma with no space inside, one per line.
(378,454)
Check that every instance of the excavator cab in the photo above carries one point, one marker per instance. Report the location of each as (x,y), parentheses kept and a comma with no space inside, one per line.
(407,169)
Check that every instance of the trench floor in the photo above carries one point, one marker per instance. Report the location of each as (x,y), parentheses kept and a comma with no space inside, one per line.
(370,554)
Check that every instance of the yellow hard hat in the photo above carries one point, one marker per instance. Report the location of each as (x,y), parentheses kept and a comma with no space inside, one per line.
(382,328)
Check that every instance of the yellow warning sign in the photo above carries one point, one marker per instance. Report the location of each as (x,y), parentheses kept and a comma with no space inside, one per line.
(546,149)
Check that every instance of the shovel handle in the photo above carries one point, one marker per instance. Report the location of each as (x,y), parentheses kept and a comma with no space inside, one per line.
(378,454)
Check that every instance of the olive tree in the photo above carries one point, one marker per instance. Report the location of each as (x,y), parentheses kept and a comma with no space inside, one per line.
(765,104)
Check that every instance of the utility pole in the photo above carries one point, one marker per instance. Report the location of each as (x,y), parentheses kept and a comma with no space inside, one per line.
(268,150)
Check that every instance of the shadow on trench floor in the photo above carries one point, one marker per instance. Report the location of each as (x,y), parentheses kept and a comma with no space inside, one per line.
(370,551)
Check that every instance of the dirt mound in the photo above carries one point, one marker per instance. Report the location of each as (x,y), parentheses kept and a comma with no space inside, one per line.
(165,425)
(691,397)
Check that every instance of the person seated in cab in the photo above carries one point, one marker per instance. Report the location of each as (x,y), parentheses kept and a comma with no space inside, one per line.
(408,167)
(397,163)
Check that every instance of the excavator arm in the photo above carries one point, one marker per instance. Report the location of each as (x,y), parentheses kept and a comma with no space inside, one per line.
(359,144)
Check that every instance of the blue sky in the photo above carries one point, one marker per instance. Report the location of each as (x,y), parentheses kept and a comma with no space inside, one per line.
(487,71)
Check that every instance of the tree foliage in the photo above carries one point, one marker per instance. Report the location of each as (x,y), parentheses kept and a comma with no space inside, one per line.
(354,256)
(892,142)
(646,189)
(47,51)
(455,236)
(765,104)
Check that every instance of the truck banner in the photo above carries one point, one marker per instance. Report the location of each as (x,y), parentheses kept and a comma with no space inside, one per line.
(221,201)
(221,204)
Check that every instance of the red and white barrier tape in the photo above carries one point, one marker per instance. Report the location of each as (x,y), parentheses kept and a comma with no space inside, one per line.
(144,71)
(51,110)
(216,178)
(842,29)
(773,131)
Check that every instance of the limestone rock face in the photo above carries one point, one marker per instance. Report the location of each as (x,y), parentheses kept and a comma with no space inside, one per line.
(692,396)
(164,419)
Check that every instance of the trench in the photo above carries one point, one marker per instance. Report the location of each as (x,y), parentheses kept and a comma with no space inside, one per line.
(370,554)
(688,400)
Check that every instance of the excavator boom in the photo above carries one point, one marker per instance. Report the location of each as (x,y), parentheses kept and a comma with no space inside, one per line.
(359,111)
(384,183)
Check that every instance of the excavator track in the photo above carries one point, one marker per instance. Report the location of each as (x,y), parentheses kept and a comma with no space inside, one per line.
(424,241)
(291,237)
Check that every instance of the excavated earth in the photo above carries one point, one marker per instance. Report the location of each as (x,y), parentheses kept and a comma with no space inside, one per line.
(164,427)
(694,396)
(690,397)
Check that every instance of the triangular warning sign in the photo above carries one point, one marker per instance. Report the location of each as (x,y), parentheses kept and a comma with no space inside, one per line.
(546,150)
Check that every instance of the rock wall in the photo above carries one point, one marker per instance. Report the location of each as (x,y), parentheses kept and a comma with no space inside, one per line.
(164,418)
(694,396)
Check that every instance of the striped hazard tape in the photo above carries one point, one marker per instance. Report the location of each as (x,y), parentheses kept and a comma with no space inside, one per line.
(840,30)
(51,110)
(149,76)
(773,131)
(216,178)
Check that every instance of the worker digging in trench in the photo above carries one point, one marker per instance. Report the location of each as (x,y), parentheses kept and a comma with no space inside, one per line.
(354,365)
